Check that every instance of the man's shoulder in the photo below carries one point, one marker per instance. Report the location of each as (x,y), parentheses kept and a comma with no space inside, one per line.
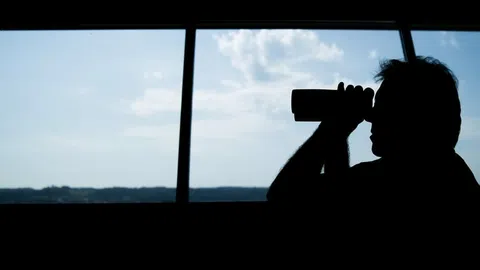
(367,167)
(361,176)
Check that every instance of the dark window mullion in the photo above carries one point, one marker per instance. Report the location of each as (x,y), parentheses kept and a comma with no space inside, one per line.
(183,166)
(407,41)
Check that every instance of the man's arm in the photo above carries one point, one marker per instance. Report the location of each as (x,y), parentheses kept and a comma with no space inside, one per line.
(300,178)
(337,160)
(327,146)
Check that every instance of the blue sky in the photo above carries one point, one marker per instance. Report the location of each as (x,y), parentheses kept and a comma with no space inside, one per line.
(102,108)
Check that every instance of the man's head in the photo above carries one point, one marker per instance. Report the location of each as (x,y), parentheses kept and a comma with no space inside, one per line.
(416,109)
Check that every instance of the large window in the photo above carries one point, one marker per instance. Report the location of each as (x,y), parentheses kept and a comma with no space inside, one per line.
(460,51)
(94,116)
(243,130)
(90,116)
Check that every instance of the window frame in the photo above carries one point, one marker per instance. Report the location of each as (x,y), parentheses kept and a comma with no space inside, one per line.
(404,28)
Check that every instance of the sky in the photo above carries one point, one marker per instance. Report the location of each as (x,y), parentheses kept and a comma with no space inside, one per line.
(102,108)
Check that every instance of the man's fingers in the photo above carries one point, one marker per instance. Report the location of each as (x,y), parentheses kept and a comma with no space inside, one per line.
(358,89)
(341,87)
(349,88)
(369,93)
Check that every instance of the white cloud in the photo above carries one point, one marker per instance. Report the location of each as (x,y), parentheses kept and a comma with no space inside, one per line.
(271,61)
(448,39)
(373,54)
(257,97)
(271,64)
(270,52)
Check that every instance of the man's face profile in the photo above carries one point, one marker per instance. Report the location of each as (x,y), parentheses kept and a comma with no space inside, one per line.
(387,122)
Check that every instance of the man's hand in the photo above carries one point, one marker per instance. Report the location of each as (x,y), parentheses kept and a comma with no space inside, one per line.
(354,107)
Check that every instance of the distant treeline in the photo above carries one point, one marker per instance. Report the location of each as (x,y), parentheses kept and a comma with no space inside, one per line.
(126,195)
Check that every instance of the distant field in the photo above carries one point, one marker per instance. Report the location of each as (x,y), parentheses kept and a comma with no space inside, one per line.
(126,195)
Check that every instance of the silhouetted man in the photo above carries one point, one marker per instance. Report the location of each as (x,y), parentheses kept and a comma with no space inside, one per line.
(415,127)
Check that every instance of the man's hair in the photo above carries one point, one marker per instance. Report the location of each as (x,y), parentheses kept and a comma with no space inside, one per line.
(434,86)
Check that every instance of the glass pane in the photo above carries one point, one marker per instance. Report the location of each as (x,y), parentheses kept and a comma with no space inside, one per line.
(460,51)
(243,130)
(89,116)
